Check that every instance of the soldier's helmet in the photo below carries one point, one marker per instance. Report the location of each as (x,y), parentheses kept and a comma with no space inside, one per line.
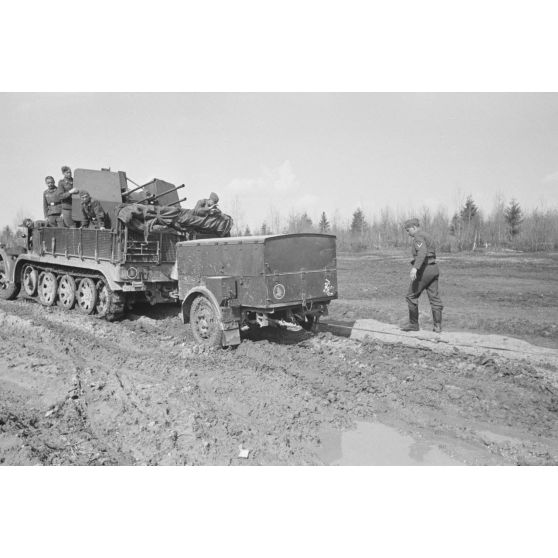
(411,223)
(214,197)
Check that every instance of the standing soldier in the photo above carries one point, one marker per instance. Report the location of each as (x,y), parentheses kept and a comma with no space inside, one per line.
(93,212)
(424,275)
(51,204)
(65,191)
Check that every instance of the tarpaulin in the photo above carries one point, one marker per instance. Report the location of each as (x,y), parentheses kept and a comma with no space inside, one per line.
(161,218)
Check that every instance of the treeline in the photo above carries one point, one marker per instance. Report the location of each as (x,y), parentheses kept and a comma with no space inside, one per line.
(506,226)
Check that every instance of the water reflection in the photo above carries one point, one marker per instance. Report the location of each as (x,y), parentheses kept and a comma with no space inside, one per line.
(373,443)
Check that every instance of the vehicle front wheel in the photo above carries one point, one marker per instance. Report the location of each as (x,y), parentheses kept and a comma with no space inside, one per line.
(8,291)
(205,322)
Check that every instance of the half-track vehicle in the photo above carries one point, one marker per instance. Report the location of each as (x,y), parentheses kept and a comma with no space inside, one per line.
(221,285)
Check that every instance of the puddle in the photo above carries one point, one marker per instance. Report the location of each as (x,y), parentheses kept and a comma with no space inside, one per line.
(373,443)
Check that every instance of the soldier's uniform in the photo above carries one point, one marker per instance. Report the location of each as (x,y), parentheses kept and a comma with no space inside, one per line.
(94,214)
(424,261)
(206,206)
(64,185)
(52,208)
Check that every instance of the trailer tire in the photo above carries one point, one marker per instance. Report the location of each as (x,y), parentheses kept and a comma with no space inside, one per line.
(205,322)
(86,296)
(47,288)
(8,291)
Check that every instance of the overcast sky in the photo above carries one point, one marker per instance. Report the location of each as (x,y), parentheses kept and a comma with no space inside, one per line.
(295,152)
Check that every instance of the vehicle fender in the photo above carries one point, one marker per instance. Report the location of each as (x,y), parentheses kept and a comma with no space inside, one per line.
(191,295)
(22,261)
(9,263)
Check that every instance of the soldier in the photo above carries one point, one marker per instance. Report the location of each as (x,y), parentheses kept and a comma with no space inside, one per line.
(65,191)
(207,206)
(424,275)
(93,212)
(51,204)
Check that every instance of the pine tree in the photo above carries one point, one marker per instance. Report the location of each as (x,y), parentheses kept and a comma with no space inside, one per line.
(514,217)
(324,223)
(469,211)
(263,228)
(358,224)
(247,231)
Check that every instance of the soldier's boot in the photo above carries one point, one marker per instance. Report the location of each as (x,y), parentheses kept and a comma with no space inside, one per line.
(437,319)
(413,324)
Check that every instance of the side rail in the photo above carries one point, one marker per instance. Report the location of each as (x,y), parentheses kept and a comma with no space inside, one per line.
(86,244)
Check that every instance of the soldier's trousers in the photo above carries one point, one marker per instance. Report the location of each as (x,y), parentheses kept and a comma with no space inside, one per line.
(427,279)
(54,221)
(67,217)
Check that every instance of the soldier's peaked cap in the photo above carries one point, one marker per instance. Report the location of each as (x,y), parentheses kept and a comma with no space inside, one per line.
(412,223)
(65,168)
(213,196)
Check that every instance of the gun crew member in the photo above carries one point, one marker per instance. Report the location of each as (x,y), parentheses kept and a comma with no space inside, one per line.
(207,206)
(93,212)
(424,276)
(65,191)
(52,208)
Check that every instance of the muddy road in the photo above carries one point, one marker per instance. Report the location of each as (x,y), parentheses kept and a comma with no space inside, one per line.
(78,390)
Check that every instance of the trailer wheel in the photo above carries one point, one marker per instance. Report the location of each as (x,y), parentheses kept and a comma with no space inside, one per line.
(86,296)
(66,292)
(205,322)
(47,288)
(8,291)
(30,280)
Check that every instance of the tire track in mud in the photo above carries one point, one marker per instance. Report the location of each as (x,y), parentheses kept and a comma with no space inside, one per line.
(140,392)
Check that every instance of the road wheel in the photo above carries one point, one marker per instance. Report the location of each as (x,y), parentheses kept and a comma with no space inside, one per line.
(30,280)
(86,296)
(8,291)
(205,322)
(66,292)
(47,288)
(110,304)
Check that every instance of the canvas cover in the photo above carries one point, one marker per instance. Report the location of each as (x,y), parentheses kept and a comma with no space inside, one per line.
(157,218)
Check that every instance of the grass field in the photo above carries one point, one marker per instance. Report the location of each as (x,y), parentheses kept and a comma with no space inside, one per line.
(513,294)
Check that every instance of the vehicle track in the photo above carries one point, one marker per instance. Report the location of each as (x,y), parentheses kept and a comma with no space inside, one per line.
(78,390)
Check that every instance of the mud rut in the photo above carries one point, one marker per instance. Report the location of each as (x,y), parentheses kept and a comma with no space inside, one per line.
(78,390)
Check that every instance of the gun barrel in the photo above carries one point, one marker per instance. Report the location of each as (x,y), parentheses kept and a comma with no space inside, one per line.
(178,201)
(153,198)
(125,194)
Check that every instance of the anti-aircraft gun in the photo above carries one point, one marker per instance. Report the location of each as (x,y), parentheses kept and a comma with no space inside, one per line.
(166,254)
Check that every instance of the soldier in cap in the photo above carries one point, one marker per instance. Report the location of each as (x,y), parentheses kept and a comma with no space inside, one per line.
(424,276)
(51,204)
(207,206)
(65,191)
(93,212)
